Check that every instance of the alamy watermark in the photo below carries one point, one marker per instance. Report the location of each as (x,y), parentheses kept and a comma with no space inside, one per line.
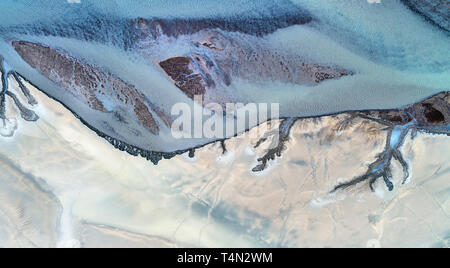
(219,121)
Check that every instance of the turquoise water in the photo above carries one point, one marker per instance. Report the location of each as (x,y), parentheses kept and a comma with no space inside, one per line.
(396,57)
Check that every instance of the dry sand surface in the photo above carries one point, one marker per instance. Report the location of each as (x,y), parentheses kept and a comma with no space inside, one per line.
(63,186)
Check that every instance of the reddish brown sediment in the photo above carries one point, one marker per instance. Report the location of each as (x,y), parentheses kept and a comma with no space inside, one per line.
(255,61)
(198,75)
(61,69)
(217,57)
(434,111)
(251,26)
(145,117)
(182,71)
(85,82)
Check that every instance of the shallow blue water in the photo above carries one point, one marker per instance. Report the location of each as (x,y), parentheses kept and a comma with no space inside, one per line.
(396,57)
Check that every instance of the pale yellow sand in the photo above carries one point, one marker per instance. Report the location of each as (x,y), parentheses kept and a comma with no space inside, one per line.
(80,191)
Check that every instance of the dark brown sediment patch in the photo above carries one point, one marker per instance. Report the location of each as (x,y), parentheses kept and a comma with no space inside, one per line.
(67,72)
(223,56)
(182,71)
(145,117)
(85,82)
(258,26)
(433,111)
